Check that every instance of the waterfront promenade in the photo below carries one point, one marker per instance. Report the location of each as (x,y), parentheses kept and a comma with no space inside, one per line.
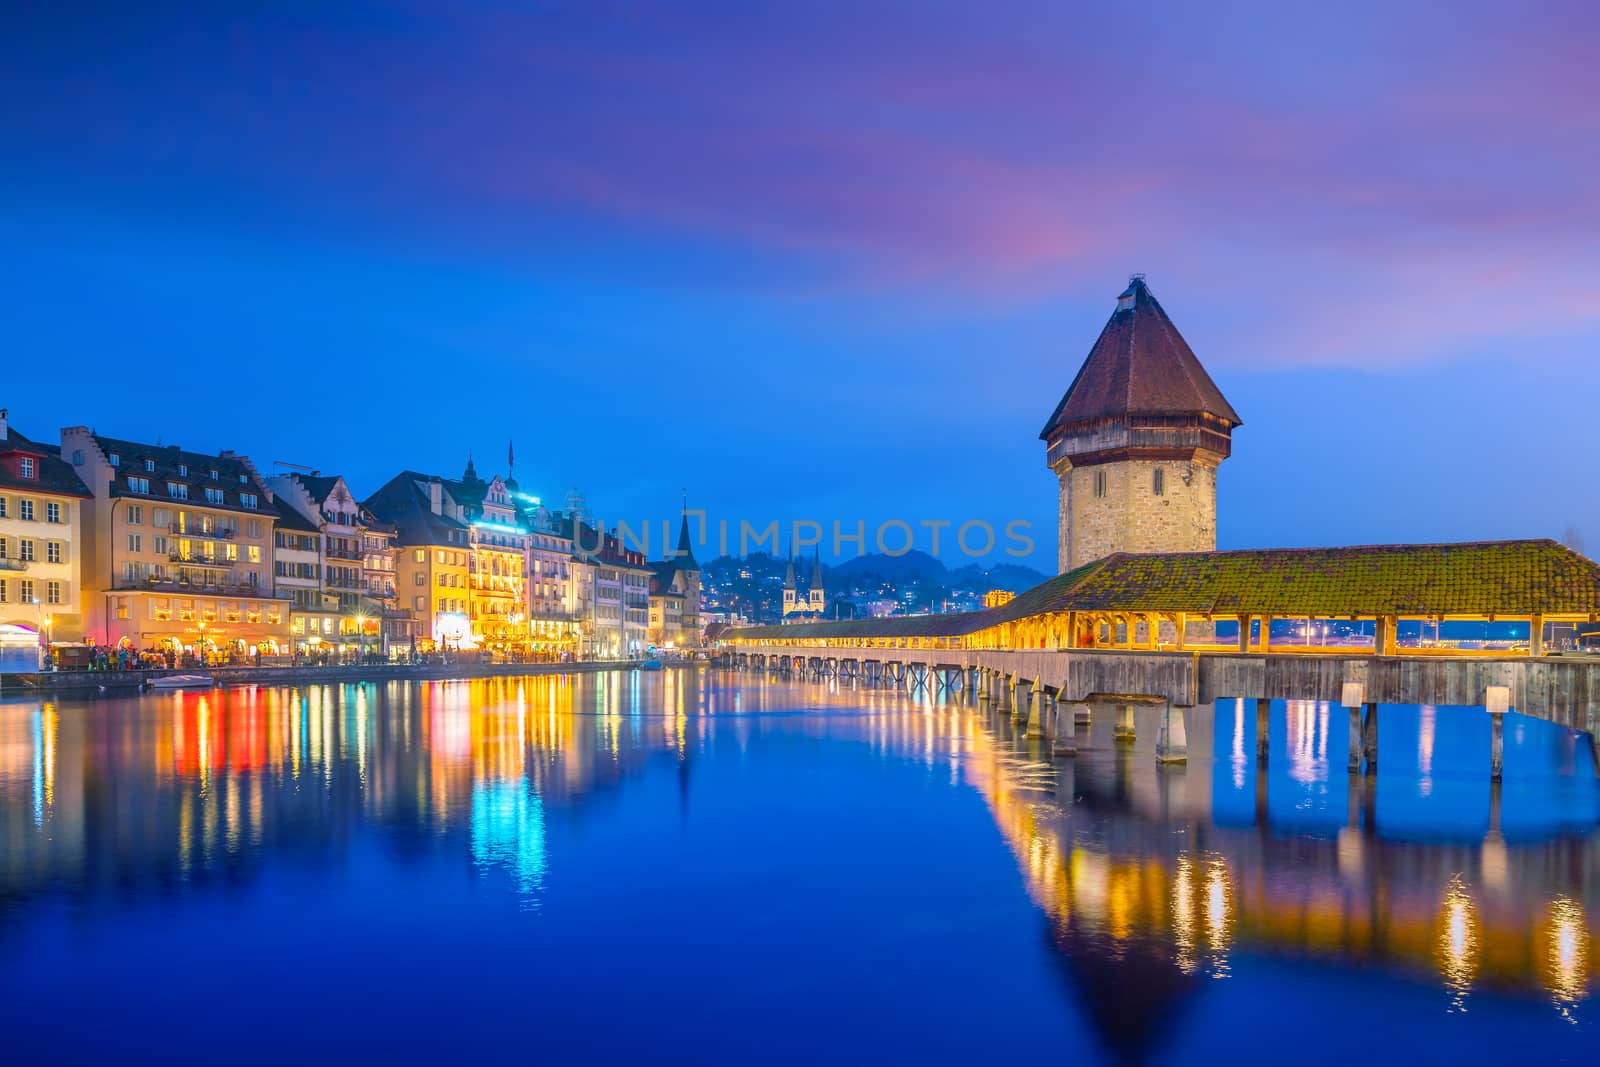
(89,683)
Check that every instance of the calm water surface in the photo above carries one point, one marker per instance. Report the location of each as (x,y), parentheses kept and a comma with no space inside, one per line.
(713,868)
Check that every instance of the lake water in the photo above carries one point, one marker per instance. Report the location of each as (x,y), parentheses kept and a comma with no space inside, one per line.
(716,868)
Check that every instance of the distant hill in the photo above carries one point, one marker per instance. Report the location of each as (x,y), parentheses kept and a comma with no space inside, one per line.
(1012,576)
(909,567)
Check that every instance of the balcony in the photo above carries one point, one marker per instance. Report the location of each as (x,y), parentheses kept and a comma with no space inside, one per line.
(13,564)
(352,554)
(212,535)
(200,561)
(179,585)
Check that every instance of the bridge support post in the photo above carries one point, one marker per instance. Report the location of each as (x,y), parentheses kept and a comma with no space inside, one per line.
(1263,730)
(1355,740)
(1497,745)
(1036,700)
(1123,732)
(1172,739)
(1021,692)
(1065,735)
(1369,736)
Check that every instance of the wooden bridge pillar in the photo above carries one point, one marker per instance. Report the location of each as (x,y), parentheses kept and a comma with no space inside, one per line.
(1036,700)
(1497,745)
(1369,737)
(1172,738)
(1263,730)
(1065,735)
(1355,739)
(1123,731)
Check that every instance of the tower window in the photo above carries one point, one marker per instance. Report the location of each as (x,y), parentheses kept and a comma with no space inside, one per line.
(1099,483)
(1158,482)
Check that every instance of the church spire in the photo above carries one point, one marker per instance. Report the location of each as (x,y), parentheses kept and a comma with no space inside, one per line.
(816,569)
(788,577)
(685,555)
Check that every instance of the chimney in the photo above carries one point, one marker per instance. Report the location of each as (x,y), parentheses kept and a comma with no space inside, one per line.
(5,425)
(436,497)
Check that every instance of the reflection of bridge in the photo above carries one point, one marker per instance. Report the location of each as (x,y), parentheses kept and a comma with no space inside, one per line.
(1052,690)
(1146,892)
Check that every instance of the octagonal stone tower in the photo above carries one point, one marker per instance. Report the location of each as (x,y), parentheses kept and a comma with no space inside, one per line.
(1137,439)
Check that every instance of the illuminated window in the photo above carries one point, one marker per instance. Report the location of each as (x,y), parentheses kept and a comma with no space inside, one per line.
(1158,482)
(1099,483)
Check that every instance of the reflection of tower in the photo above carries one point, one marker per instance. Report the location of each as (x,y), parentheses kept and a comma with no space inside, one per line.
(814,594)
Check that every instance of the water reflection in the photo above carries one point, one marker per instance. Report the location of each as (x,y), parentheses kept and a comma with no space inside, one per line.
(1153,882)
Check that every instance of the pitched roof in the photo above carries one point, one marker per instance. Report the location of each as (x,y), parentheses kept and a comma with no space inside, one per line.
(317,485)
(290,517)
(1140,365)
(401,501)
(171,464)
(51,473)
(1506,578)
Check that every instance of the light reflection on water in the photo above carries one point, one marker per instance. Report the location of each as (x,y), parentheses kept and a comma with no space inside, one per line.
(1150,879)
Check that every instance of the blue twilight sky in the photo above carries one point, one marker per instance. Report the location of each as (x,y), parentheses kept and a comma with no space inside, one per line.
(819,260)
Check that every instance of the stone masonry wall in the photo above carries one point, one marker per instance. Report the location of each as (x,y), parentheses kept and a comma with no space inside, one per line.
(1131,517)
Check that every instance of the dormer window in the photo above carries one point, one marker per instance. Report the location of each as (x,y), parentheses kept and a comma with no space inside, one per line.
(243,479)
(25,469)
(183,470)
(178,491)
(214,474)
(114,459)
(248,500)
(150,465)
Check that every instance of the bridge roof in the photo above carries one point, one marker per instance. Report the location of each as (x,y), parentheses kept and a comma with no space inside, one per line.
(1504,578)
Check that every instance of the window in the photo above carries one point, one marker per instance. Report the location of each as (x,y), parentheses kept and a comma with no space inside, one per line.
(183,470)
(150,465)
(122,609)
(25,550)
(161,546)
(243,480)
(230,551)
(1099,483)
(253,527)
(254,553)
(1158,482)
(135,515)
(25,590)
(52,592)
(25,510)
(114,459)
(418,603)
(247,500)
(138,485)
(52,551)
(422,579)
(420,555)
(52,511)
(25,467)
(178,491)
(4,598)
(135,543)
(2,507)
(213,473)
(213,496)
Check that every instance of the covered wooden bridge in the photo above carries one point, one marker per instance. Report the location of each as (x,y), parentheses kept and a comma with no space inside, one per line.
(1336,599)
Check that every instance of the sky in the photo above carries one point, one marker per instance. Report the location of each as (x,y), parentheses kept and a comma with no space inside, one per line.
(828,261)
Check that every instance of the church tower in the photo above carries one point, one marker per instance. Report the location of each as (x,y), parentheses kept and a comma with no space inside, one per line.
(1136,441)
(814,593)
(789,591)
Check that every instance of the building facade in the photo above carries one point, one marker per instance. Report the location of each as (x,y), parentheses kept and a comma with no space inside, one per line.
(1136,441)
(41,543)
(675,597)
(178,549)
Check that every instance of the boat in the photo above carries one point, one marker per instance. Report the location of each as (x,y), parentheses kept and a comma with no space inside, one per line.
(651,664)
(182,681)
